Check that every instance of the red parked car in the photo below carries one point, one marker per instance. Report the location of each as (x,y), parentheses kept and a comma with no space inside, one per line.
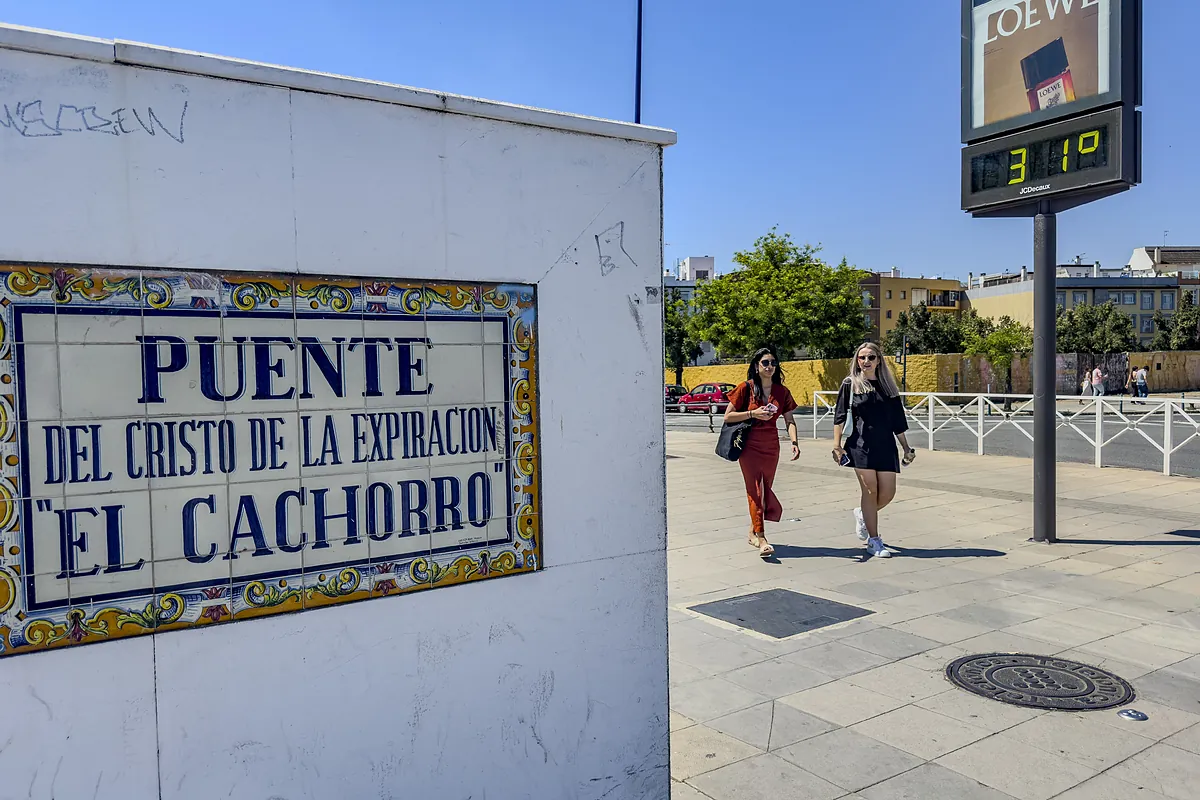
(710,397)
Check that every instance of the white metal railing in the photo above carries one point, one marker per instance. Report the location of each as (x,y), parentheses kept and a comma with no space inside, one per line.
(1100,421)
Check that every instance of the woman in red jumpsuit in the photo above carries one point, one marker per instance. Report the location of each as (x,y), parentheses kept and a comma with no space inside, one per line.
(762,399)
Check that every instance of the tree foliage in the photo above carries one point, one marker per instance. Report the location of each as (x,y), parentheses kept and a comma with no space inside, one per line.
(1001,346)
(785,297)
(1095,329)
(935,332)
(1181,331)
(680,347)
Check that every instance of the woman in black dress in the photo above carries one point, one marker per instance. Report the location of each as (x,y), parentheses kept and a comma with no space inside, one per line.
(871,398)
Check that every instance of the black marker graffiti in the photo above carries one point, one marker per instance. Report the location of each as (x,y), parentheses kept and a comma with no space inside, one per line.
(32,120)
(611,245)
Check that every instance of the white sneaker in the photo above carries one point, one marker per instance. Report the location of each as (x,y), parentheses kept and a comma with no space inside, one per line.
(860,525)
(876,547)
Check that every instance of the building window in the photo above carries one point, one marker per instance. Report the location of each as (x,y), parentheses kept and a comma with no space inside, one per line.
(867,320)
(889,314)
(1079,298)
(1060,299)
(1101,296)
(1147,301)
(1147,323)
(1167,302)
(1129,298)
(903,295)
(889,294)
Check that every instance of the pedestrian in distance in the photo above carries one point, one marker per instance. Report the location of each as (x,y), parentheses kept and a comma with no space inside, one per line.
(871,398)
(761,400)
(1142,379)
(1098,379)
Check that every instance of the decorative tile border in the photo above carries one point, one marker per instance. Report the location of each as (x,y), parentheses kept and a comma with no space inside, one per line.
(181,449)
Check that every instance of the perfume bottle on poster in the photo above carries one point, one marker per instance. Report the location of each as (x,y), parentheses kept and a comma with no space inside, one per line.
(1048,77)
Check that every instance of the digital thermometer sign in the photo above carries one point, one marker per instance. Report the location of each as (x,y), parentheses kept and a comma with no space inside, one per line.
(1072,161)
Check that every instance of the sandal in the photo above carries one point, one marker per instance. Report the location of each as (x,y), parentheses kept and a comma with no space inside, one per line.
(754,540)
(766,551)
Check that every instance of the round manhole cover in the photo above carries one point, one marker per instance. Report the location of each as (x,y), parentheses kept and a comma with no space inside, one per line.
(1039,681)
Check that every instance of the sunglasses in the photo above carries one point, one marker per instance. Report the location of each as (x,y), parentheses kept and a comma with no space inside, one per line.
(868,357)
(766,362)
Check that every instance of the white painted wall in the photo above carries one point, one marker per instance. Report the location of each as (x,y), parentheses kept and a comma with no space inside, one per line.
(551,685)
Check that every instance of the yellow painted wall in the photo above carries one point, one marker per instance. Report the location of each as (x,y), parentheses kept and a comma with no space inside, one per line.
(896,303)
(1169,372)
(1019,306)
(805,377)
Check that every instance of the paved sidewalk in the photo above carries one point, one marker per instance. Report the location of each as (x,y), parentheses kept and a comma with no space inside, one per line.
(863,711)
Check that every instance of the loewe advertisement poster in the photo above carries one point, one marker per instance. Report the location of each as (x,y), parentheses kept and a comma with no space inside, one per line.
(1030,55)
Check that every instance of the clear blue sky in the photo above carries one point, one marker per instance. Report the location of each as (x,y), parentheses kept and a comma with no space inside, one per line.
(837,120)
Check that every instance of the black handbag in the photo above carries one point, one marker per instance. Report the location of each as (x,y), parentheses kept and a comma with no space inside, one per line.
(733,439)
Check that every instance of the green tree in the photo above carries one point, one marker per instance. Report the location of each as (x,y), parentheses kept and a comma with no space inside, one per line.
(783,296)
(1180,332)
(1095,329)
(680,348)
(935,332)
(1001,346)
(1162,332)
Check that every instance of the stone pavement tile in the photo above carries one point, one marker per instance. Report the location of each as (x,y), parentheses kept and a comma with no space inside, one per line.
(680,673)
(679,721)
(873,590)
(890,643)
(937,659)
(681,791)
(1130,672)
(836,659)
(926,601)
(1164,769)
(965,707)
(1164,720)
(1138,575)
(1002,642)
(1168,636)
(1080,737)
(901,682)
(1170,688)
(700,749)
(715,653)
(765,777)
(776,678)
(1112,556)
(711,698)
(790,725)
(932,782)
(1188,739)
(1124,647)
(920,732)
(849,759)
(1104,787)
(842,702)
(751,725)
(1055,631)
(941,628)
(988,616)
(1191,584)
(1015,768)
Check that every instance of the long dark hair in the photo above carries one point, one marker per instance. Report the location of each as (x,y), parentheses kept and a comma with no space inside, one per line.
(752,372)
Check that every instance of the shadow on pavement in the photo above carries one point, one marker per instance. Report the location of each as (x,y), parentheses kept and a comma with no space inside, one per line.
(1193,538)
(789,551)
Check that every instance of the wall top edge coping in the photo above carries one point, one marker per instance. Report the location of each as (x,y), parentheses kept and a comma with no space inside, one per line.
(117,51)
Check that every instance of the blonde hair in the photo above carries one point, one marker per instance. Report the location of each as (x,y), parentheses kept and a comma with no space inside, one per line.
(858,382)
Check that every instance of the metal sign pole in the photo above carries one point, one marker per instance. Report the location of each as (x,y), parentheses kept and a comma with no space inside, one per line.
(1045,265)
(637,78)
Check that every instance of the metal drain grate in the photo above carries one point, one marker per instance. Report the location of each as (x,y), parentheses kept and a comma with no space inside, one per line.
(780,612)
(1039,682)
